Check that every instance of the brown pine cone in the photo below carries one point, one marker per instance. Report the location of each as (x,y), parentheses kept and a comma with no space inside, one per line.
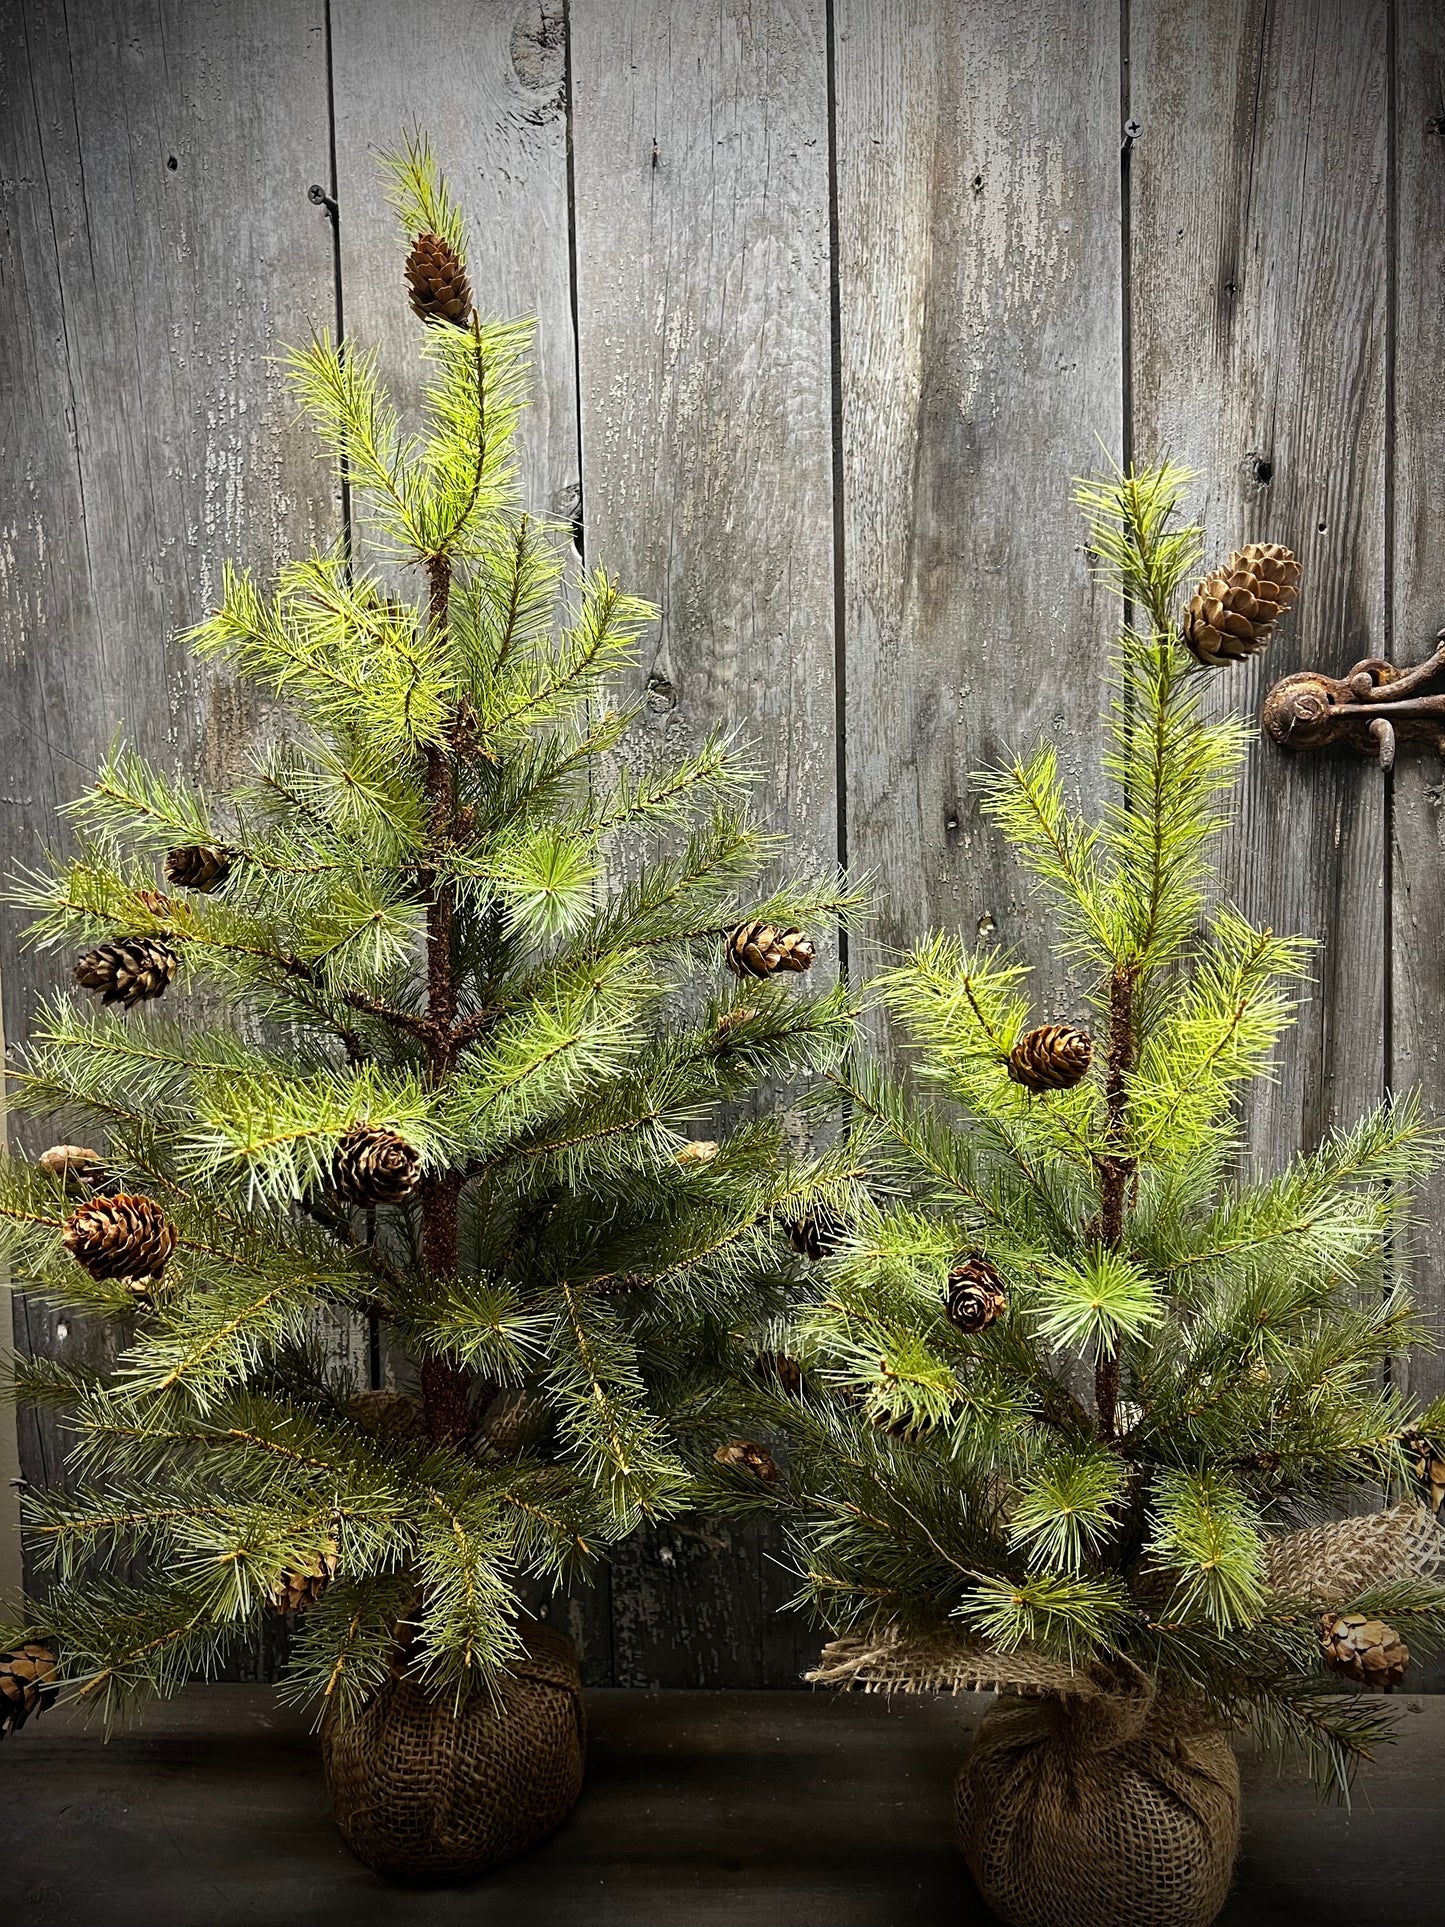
(196,866)
(77,1164)
(127,1236)
(1428,1466)
(388,1414)
(437,280)
(517,1419)
(816,1233)
(731,1020)
(127,970)
(27,1684)
(974,1296)
(1054,1057)
(1232,613)
(776,1368)
(297,1590)
(744,1456)
(374,1166)
(1364,1649)
(759,949)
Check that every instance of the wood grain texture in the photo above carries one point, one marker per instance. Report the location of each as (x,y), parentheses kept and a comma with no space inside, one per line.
(700,161)
(1418,611)
(1258,318)
(980,341)
(157,240)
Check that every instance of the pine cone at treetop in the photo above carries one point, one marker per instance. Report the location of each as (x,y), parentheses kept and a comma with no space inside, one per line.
(297,1590)
(1232,613)
(374,1166)
(440,290)
(759,949)
(77,1164)
(1428,1466)
(1364,1649)
(127,970)
(196,866)
(127,1236)
(745,1456)
(1054,1057)
(27,1684)
(816,1233)
(974,1296)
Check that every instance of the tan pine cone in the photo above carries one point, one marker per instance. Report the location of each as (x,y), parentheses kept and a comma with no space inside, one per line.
(1053,1057)
(1364,1649)
(388,1414)
(816,1233)
(1428,1466)
(297,1590)
(517,1419)
(1233,612)
(196,866)
(437,280)
(732,1020)
(776,1368)
(127,970)
(127,1236)
(27,1684)
(974,1296)
(757,949)
(77,1164)
(745,1456)
(702,1150)
(373,1165)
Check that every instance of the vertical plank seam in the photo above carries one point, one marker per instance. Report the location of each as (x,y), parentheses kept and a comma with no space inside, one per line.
(1400,1250)
(334,215)
(1126,246)
(835,375)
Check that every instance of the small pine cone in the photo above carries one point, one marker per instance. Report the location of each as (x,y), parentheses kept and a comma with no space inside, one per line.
(816,1233)
(1428,1467)
(1364,1649)
(374,1166)
(974,1296)
(196,866)
(1232,613)
(297,1590)
(1054,1057)
(759,949)
(702,1150)
(128,970)
(388,1414)
(440,290)
(27,1684)
(776,1368)
(744,1456)
(127,1236)
(80,1167)
(516,1420)
(732,1020)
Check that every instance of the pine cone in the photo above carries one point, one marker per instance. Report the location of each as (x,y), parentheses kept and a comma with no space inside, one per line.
(1054,1057)
(27,1684)
(196,866)
(974,1296)
(731,1020)
(1364,1649)
(702,1150)
(745,1456)
(440,290)
(816,1233)
(127,1236)
(758,949)
(1429,1467)
(297,1590)
(388,1414)
(127,970)
(80,1167)
(776,1368)
(516,1420)
(1233,612)
(374,1166)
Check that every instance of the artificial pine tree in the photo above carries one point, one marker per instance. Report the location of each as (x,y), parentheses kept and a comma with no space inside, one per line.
(1075,1380)
(400,1040)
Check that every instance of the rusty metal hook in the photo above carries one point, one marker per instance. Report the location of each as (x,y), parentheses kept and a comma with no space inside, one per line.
(1367,710)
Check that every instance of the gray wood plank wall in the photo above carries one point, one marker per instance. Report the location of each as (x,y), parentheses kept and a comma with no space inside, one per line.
(834,297)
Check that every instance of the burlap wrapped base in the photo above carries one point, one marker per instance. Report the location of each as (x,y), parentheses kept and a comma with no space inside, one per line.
(421,1790)
(1102,1811)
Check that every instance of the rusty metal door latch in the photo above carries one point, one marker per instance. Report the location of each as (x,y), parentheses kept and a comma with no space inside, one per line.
(1366,710)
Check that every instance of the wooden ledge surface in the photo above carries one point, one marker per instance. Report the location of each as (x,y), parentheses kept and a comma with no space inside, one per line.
(701,1809)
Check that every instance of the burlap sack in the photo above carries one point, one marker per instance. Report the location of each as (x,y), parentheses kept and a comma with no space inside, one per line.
(1103,1810)
(421,1790)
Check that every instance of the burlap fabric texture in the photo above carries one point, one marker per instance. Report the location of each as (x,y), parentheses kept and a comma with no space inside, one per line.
(426,1791)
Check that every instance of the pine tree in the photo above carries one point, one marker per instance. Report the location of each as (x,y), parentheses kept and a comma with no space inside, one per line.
(399,1038)
(1067,1379)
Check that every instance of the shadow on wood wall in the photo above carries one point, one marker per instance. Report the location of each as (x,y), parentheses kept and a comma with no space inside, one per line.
(833,298)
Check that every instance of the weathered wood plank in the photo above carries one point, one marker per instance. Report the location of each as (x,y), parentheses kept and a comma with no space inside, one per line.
(1417,612)
(700,149)
(1257,304)
(978,182)
(157,241)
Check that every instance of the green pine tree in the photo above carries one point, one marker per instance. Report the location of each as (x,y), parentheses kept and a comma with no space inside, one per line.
(1055,1388)
(439,1061)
